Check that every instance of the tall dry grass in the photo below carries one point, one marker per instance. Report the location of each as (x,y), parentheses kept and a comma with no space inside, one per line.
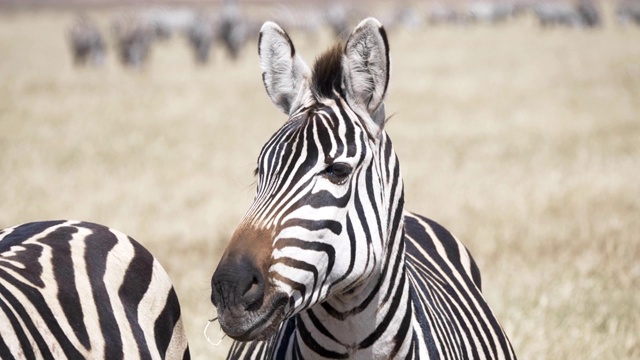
(525,143)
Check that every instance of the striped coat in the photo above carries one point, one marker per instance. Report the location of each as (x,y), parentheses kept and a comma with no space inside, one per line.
(327,263)
(80,290)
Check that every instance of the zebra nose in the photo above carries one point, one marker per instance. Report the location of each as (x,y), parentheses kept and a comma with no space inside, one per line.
(237,286)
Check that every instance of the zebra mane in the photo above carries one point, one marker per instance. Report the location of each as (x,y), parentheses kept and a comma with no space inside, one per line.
(327,72)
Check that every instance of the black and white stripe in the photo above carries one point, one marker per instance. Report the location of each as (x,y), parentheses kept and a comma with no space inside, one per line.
(75,290)
(327,263)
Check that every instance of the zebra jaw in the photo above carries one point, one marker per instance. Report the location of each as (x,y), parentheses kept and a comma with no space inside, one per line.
(249,306)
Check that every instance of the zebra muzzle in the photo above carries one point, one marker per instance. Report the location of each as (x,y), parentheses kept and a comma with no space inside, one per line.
(238,288)
(246,309)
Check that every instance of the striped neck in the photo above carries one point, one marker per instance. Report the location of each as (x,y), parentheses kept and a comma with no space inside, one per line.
(365,321)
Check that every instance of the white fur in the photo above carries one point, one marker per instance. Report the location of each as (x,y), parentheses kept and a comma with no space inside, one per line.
(286,77)
(366,68)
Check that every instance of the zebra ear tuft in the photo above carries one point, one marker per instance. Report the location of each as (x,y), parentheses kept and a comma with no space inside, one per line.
(366,67)
(284,73)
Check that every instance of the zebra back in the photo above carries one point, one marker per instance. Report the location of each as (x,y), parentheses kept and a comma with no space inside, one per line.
(447,296)
(73,289)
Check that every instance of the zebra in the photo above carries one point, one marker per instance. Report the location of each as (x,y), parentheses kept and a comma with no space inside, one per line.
(87,43)
(327,263)
(201,35)
(628,12)
(71,289)
(438,14)
(589,13)
(232,28)
(134,35)
(489,12)
(583,14)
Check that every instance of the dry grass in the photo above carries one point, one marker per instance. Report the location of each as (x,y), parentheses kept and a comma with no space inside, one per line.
(525,143)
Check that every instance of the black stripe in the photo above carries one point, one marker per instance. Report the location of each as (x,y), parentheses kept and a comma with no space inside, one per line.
(35,298)
(403,330)
(421,317)
(302,265)
(315,225)
(24,232)
(134,286)
(27,351)
(352,243)
(65,275)
(98,246)
(384,324)
(5,353)
(309,245)
(287,332)
(324,198)
(349,133)
(324,135)
(455,289)
(296,286)
(319,326)
(170,315)
(309,340)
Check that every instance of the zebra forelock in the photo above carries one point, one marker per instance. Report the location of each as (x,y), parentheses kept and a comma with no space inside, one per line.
(326,78)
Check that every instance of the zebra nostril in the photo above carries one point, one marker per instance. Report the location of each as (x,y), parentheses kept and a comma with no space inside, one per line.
(237,285)
(253,294)
(252,287)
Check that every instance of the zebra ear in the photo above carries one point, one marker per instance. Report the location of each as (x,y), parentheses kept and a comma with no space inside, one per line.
(284,73)
(366,68)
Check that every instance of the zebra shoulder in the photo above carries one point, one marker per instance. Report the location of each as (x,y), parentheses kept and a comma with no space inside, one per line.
(427,241)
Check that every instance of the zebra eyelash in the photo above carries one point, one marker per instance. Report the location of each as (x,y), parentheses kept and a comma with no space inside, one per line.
(337,173)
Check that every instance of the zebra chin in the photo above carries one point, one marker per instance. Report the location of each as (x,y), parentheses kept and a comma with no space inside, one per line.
(259,324)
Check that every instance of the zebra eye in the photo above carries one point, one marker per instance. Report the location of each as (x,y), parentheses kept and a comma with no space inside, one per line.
(337,172)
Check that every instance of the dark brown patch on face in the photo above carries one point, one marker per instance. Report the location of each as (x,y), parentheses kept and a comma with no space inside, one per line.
(250,244)
(249,306)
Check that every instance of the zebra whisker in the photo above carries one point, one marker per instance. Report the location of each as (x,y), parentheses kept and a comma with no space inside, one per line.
(206,336)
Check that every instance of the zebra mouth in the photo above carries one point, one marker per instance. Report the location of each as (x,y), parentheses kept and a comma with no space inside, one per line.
(254,325)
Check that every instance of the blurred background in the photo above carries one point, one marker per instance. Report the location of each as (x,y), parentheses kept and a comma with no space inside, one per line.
(517,124)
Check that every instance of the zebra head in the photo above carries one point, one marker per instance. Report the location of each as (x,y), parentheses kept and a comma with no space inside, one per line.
(329,192)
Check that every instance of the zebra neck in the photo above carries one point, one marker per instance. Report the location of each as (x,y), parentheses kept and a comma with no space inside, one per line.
(365,325)
(373,319)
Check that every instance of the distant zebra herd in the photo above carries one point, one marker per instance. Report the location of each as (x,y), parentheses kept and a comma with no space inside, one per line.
(134,33)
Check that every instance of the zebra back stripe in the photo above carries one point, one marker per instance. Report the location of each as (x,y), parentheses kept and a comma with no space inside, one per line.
(81,290)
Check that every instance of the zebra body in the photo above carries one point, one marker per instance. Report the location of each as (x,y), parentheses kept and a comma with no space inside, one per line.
(87,43)
(490,12)
(75,290)
(327,263)
(134,34)
(628,12)
(201,35)
(583,14)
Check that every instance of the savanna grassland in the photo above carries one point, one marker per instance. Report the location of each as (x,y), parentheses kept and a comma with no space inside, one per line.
(524,142)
